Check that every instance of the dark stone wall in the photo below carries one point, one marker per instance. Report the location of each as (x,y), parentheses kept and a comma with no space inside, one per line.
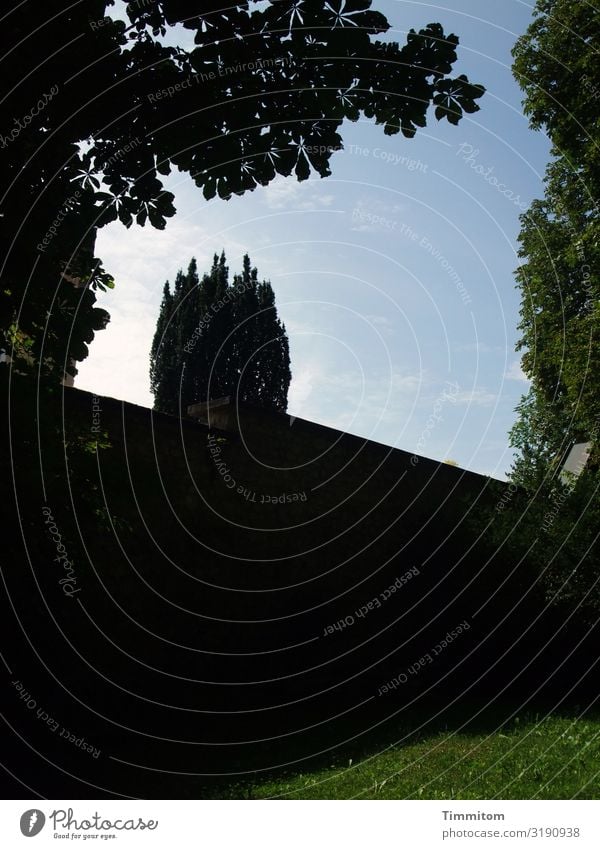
(239,601)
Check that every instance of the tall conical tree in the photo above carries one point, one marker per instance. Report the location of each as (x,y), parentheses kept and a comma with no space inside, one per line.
(264,363)
(189,306)
(213,339)
(162,363)
(208,361)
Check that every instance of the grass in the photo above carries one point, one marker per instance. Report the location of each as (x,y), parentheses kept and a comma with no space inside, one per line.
(530,758)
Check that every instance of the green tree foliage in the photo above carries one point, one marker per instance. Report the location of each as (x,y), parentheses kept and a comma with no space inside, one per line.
(559,278)
(163,351)
(214,339)
(98,111)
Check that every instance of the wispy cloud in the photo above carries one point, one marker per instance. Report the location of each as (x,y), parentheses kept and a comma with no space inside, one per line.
(515,372)
(476,397)
(479,348)
(375,216)
(288,194)
(367,404)
(303,385)
(382,323)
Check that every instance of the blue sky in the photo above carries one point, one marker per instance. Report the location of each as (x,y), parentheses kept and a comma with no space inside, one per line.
(394,276)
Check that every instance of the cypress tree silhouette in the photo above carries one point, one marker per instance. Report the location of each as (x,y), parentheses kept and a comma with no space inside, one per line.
(161,368)
(214,339)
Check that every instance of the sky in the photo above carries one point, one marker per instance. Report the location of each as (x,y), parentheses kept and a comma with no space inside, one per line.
(394,276)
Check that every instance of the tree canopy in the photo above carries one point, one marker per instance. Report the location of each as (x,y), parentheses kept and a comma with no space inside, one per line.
(559,278)
(559,275)
(215,339)
(102,109)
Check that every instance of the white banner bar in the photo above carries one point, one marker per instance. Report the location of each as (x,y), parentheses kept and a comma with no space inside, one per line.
(303,824)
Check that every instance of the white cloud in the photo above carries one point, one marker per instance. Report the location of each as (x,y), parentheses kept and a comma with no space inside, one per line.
(373,216)
(288,193)
(476,397)
(407,382)
(480,348)
(119,368)
(280,193)
(515,372)
(326,200)
(382,323)
(377,404)
(302,386)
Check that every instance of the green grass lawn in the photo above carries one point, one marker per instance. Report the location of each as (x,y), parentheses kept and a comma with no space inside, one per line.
(530,758)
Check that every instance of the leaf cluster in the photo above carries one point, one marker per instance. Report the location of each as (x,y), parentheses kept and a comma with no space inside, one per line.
(103,109)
